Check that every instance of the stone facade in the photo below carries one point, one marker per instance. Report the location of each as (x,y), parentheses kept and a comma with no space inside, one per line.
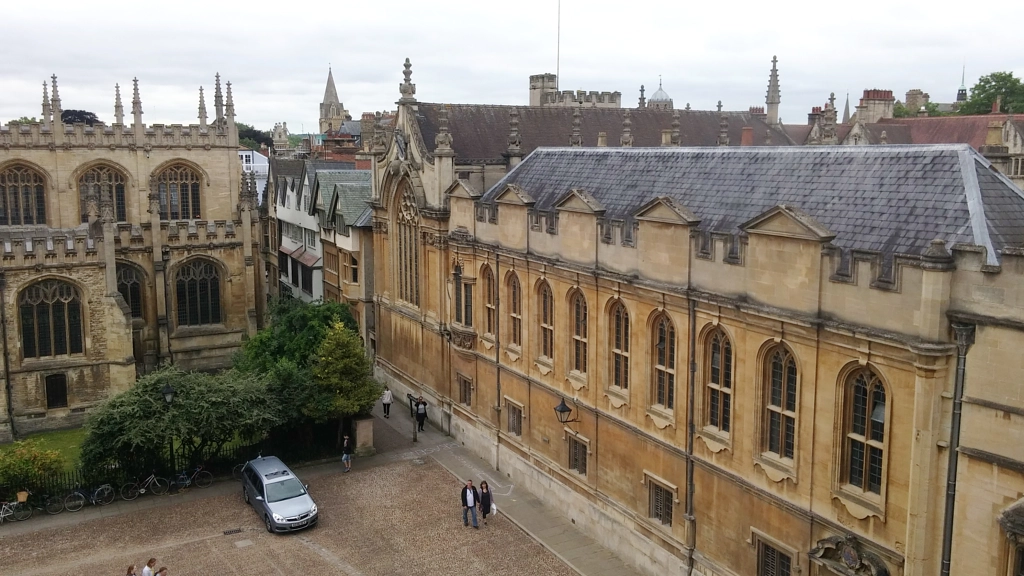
(139,251)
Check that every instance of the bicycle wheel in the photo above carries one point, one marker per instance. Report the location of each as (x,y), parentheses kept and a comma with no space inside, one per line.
(74,502)
(22,511)
(204,479)
(54,505)
(236,472)
(104,495)
(130,491)
(159,486)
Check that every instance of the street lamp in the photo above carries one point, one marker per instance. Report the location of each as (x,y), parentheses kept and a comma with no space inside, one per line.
(169,392)
(562,412)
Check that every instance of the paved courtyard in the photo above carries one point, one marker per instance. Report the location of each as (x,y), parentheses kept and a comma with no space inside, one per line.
(402,518)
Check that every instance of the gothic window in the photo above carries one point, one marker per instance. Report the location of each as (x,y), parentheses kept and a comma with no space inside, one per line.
(780,405)
(578,305)
(620,346)
(664,360)
(719,382)
(197,287)
(129,284)
(407,249)
(22,196)
(489,302)
(103,183)
(179,190)
(547,321)
(51,319)
(864,426)
(515,310)
(56,391)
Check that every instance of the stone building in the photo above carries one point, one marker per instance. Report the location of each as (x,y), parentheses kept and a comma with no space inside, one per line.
(544,92)
(124,246)
(773,356)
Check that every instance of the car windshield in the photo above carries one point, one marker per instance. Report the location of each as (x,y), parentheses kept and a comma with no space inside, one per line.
(284,490)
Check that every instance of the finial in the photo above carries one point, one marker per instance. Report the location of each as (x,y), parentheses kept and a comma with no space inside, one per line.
(884,138)
(515,141)
(768,137)
(723,129)
(136,99)
(832,99)
(202,108)
(643,99)
(963,76)
(659,81)
(118,108)
(676,139)
(626,140)
(380,142)
(774,96)
(229,108)
(218,99)
(576,139)
(443,140)
(46,106)
(55,101)
(407,89)
(719,105)
(687,106)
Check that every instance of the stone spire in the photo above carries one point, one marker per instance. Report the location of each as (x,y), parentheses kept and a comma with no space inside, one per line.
(229,107)
(626,141)
(846,110)
(774,97)
(723,129)
(643,100)
(576,139)
(407,89)
(218,99)
(202,108)
(828,124)
(136,102)
(55,102)
(331,92)
(46,107)
(676,137)
(515,141)
(118,107)
(443,140)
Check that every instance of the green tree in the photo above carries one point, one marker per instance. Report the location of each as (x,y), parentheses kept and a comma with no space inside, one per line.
(343,378)
(294,140)
(253,138)
(76,116)
(900,111)
(24,462)
(25,120)
(133,429)
(991,87)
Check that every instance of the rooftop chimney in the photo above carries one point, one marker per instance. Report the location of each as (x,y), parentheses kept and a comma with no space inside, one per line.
(666,137)
(747,137)
(998,104)
(602,139)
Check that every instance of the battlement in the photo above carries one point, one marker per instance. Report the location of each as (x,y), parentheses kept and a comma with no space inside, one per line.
(38,135)
(44,247)
(582,98)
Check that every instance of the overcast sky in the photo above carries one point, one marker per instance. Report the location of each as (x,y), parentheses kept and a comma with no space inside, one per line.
(472,51)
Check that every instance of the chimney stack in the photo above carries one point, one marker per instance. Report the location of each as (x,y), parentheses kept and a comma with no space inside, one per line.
(747,137)
(602,139)
(666,137)
(998,104)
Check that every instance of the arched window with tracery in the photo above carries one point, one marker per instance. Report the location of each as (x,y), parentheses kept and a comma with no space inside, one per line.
(197,289)
(664,359)
(22,196)
(620,346)
(515,310)
(180,189)
(578,306)
(864,427)
(718,382)
(407,248)
(129,284)
(547,320)
(103,183)
(487,277)
(51,319)
(779,434)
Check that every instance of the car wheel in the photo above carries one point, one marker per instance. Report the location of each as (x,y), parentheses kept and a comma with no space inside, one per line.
(270,527)
(245,495)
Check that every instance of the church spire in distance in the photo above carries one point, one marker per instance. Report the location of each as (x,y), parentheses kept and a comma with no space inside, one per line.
(774,94)
(331,92)
(961,94)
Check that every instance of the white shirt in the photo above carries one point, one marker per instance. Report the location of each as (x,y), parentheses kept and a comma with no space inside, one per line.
(469,498)
(387,398)
(147,571)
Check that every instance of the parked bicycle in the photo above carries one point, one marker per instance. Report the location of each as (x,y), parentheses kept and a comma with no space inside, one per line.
(52,504)
(15,511)
(199,477)
(153,483)
(101,496)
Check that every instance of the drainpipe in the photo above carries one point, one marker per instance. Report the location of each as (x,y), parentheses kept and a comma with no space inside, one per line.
(497,354)
(692,543)
(964,339)
(7,353)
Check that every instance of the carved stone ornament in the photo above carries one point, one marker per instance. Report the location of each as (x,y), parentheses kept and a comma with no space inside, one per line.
(843,555)
(462,338)
(380,226)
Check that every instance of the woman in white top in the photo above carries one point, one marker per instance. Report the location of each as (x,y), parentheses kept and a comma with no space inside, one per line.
(387,399)
(150,566)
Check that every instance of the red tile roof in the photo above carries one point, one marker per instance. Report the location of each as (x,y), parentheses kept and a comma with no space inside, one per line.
(948,129)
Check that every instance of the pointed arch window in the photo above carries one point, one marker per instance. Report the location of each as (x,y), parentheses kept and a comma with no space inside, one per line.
(579,332)
(487,277)
(129,284)
(103,183)
(197,289)
(664,360)
(547,321)
(22,196)
(515,310)
(719,382)
(51,319)
(407,249)
(179,188)
(780,405)
(864,449)
(620,346)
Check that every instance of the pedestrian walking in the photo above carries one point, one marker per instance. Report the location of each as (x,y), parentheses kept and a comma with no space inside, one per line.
(150,566)
(470,498)
(162,571)
(387,398)
(132,571)
(346,453)
(486,500)
(421,413)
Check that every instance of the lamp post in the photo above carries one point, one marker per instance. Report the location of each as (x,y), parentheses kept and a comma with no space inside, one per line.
(169,392)
(562,412)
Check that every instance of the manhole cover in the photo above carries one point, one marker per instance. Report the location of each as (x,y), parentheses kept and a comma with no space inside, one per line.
(418,461)
(233,531)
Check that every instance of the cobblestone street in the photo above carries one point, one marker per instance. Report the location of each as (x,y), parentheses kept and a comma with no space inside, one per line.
(401,518)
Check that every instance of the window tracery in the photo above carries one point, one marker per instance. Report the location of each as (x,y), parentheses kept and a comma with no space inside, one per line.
(22,196)
(197,287)
(51,319)
(100,183)
(179,188)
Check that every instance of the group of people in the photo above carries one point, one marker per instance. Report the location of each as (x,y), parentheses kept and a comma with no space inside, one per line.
(148,570)
(387,399)
(473,499)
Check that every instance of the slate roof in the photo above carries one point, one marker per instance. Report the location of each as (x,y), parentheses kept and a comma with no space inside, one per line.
(887,199)
(311,167)
(480,132)
(351,187)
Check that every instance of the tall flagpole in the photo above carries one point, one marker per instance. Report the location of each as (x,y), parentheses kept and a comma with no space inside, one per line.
(558,45)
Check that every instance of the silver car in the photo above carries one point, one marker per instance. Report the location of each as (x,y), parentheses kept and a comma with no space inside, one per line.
(277,495)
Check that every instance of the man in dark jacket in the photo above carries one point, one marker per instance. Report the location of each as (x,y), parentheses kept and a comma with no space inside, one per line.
(470,500)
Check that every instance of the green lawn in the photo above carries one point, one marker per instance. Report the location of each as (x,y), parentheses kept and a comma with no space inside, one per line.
(67,442)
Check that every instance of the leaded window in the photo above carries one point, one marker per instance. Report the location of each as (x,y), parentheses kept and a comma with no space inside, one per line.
(719,382)
(129,284)
(197,286)
(515,419)
(489,299)
(620,346)
(865,431)
(179,188)
(407,249)
(465,390)
(578,455)
(547,321)
(22,196)
(660,501)
(664,360)
(99,184)
(772,562)
(515,310)
(51,319)
(56,391)
(780,407)
(579,332)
